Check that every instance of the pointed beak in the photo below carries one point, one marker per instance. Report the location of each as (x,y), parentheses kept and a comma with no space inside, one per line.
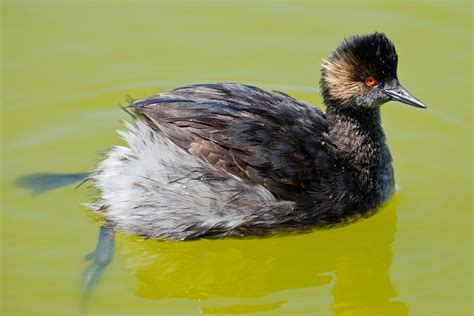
(398,93)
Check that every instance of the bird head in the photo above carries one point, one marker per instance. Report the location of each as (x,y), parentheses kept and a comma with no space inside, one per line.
(362,73)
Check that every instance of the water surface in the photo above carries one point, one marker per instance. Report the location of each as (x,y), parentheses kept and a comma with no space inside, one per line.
(67,65)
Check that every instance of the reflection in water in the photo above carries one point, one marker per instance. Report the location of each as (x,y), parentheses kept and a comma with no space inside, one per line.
(358,256)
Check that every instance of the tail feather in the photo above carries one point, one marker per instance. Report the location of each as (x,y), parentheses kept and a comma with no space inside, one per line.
(41,182)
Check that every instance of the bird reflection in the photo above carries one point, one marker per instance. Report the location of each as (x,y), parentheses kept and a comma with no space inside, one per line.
(355,259)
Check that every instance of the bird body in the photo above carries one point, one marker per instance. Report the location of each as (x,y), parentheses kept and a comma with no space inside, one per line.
(226,159)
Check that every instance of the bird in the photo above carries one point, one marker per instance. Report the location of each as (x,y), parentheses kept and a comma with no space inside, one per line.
(227,159)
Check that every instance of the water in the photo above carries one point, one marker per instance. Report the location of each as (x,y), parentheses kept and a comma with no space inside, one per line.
(67,66)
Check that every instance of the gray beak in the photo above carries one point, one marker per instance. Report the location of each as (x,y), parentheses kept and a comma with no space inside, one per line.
(398,93)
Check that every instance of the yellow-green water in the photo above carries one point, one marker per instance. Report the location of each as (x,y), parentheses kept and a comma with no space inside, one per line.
(66,66)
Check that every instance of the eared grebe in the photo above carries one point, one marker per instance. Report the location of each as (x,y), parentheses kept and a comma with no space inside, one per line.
(226,159)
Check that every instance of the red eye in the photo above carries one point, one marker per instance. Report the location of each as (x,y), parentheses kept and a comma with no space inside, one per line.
(370,81)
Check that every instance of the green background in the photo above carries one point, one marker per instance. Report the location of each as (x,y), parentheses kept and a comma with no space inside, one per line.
(67,65)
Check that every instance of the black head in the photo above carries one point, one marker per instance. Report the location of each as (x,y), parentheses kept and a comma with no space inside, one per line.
(362,73)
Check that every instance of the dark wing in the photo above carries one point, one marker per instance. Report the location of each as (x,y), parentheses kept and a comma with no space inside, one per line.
(266,138)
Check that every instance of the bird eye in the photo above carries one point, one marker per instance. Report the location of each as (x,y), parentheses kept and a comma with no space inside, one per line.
(370,81)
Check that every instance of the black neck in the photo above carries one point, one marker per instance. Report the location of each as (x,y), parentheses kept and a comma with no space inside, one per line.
(359,136)
(357,133)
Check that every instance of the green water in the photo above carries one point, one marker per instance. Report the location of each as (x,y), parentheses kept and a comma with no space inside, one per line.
(67,65)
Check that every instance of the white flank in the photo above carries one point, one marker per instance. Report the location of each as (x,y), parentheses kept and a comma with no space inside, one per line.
(154,188)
